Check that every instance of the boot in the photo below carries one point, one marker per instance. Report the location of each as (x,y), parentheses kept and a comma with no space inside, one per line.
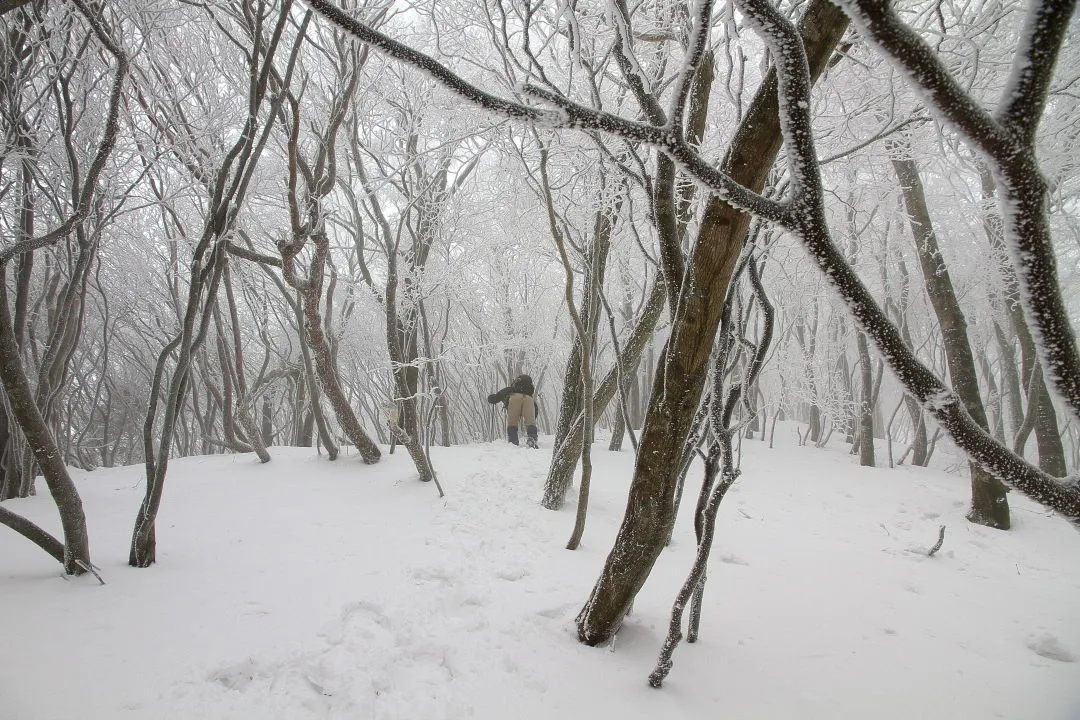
(512,435)
(531,432)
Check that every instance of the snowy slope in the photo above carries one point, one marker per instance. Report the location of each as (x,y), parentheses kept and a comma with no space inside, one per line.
(311,589)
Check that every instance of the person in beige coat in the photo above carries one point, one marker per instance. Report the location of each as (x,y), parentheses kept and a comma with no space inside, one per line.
(520,405)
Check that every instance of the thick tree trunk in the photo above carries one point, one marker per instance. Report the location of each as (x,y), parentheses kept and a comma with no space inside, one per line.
(989,504)
(684,362)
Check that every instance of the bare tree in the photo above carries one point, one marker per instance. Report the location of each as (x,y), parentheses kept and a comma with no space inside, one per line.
(308,225)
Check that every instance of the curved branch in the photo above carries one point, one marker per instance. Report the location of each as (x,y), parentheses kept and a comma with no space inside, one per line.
(33,533)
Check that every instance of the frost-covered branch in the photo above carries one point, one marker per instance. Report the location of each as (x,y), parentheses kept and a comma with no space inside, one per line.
(880,24)
(695,51)
(793,88)
(429,65)
(1026,90)
(569,115)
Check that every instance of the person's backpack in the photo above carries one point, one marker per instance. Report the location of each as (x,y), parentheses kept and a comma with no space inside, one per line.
(523,384)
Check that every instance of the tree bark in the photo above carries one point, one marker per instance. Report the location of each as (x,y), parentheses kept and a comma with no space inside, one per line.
(33,533)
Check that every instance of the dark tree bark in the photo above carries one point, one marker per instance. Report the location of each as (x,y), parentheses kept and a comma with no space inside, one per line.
(989,504)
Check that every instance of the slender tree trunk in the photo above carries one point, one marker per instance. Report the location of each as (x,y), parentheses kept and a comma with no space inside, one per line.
(330,382)
(568,432)
(1010,380)
(567,448)
(866,402)
(989,504)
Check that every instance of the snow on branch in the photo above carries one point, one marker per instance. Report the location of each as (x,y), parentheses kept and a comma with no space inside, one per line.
(1008,143)
(1033,67)
(432,67)
(804,215)
(793,87)
(699,40)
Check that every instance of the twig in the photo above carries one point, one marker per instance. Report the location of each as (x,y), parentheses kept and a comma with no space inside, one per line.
(937,545)
(90,568)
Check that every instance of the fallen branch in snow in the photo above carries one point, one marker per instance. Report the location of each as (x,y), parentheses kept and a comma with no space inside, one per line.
(937,545)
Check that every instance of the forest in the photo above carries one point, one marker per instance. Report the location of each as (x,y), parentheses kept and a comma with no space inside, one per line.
(239,227)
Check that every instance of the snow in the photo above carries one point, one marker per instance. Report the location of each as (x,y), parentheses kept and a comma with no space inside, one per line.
(310,589)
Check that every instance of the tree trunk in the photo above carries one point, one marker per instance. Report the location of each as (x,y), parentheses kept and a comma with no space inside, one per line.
(1010,381)
(326,372)
(617,433)
(989,504)
(866,402)
(25,411)
(567,448)
(685,358)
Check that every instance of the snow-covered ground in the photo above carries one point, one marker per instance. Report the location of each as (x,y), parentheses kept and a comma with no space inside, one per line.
(310,589)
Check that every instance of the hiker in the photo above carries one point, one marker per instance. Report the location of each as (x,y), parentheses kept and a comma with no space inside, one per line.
(518,399)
